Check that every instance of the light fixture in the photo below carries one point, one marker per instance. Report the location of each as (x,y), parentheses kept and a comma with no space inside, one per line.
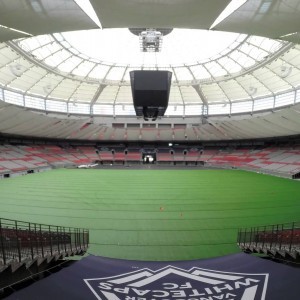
(150,40)
(17,69)
(285,71)
(47,88)
(252,90)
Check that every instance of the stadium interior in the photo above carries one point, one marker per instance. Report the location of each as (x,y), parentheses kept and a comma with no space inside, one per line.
(83,174)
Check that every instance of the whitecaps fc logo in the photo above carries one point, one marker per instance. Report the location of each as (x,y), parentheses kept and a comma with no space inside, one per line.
(174,283)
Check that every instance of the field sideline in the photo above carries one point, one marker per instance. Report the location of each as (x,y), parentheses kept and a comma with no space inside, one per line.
(153,214)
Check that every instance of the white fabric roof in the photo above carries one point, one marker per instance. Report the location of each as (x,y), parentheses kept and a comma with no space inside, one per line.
(52,73)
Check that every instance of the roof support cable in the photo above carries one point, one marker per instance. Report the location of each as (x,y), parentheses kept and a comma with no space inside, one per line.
(225,94)
(118,91)
(180,91)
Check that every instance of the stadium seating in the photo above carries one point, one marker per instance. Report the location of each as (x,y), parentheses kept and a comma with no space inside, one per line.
(25,247)
(274,160)
(285,161)
(89,153)
(106,155)
(274,240)
(133,155)
(119,155)
(192,155)
(163,155)
(207,154)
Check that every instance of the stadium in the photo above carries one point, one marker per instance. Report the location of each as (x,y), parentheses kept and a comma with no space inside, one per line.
(101,199)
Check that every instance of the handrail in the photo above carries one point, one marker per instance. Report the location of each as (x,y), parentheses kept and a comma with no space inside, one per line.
(24,241)
(278,237)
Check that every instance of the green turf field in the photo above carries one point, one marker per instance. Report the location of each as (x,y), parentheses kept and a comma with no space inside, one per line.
(153,214)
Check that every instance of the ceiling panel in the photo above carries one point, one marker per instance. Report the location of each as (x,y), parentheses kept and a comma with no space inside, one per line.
(6,76)
(234,90)
(44,16)
(270,18)
(214,93)
(175,95)
(46,85)
(124,95)
(271,81)
(253,86)
(7,55)
(190,95)
(158,13)
(86,92)
(64,90)
(108,94)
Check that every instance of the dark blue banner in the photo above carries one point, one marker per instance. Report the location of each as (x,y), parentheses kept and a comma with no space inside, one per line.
(233,277)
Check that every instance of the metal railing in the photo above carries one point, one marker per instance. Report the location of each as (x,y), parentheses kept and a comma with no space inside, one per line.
(280,237)
(23,241)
